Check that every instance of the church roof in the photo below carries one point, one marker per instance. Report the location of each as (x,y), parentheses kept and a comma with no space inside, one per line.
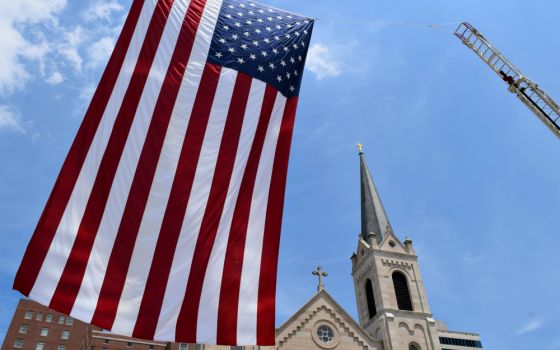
(374,218)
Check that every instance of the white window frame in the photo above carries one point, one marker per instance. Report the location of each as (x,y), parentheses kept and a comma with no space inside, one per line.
(40,346)
(23,326)
(65,334)
(44,330)
(18,343)
(28,315)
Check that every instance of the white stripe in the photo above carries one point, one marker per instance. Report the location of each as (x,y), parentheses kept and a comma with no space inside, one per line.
(88,295)
(249,293)
(210,295)
(65,235)
(182,260)
(139,268)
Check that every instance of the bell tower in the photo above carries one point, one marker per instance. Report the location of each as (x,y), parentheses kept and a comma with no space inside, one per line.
(390,294)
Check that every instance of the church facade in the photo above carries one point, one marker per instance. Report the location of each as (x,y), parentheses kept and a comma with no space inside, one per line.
(393,308)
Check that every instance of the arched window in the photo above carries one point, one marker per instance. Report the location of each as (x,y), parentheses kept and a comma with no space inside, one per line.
(401,291)
(370,299)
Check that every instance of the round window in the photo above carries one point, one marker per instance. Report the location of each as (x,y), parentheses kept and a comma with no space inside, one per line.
(392,244)
(325,334)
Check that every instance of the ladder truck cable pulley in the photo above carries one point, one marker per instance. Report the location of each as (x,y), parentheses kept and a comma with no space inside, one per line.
(544,107)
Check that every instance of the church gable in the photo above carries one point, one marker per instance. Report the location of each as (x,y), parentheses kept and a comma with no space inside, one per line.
(323,324)
(391,243)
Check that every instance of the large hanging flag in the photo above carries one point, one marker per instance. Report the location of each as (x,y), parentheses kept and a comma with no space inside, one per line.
(164,222)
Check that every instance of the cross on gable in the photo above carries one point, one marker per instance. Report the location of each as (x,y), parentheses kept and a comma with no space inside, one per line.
(320,274)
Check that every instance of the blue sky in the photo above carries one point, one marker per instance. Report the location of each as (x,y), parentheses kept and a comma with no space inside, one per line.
(463,168)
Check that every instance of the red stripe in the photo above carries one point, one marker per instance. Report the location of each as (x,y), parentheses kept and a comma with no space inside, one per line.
(62,190)
(231,277)
(273,223)
(152,299)
(69,284)
(123,248)
(187,320)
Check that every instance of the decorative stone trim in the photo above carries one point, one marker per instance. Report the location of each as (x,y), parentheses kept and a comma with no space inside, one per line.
(398,264)
(300,324)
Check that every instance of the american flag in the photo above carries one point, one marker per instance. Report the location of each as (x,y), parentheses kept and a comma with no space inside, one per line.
(164,222)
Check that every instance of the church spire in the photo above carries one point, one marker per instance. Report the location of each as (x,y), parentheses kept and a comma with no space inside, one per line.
(374,219)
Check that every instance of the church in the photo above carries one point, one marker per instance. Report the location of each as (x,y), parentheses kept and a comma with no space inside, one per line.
(393,308)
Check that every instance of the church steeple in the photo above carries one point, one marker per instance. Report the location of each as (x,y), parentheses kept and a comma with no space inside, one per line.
(374,218)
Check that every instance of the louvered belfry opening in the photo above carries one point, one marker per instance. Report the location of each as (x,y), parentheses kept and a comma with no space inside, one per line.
(370,299)
(401,291)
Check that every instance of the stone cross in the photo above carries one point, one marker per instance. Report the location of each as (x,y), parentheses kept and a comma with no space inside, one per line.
(320,273)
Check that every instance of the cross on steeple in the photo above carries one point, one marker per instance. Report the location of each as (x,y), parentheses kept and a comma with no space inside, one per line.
(320,273)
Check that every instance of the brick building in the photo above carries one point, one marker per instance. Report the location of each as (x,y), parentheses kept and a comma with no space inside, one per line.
(37,327)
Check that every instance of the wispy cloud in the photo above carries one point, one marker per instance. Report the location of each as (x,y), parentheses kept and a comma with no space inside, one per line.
(322,62)
(98,52)
(10,119)
(102,10)
(531,326)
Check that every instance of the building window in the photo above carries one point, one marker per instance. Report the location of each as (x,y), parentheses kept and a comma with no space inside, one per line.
(49,318)
(61,347)
(44,332)
(23,329)
(69,321)
(197,347)
(18,344)
(105,341)
(236,348)
(61,320)
(151,347)
(28,315)
(40,346)
(325,334)
(401,291)
(129,344)
(372,311)
(183,346)
(39,316)
(65,335)
(413,347)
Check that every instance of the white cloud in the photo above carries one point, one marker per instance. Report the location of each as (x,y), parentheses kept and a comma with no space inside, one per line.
(100,51)
(10,119)
(55,78)
(69,49)
(531,326)
(102,10)
(322,62)
(15,17)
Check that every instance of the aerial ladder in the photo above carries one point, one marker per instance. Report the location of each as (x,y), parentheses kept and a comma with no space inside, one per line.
(544,107)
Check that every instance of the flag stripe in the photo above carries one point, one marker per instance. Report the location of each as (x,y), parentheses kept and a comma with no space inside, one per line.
(70,281)
(96,269)
(121,254)
(231,277)
(196,191)
(210,295)
(180,193)
(186,322)
(248,293)
(141,241)
(61,246)
(52,214)
(271,240)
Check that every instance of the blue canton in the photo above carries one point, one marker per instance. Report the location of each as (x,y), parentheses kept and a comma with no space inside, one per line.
(263,42)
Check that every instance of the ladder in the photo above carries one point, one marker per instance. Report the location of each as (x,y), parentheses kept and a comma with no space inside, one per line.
(526,90)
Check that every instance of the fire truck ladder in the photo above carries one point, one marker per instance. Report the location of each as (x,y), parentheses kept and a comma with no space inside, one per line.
(526,90)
